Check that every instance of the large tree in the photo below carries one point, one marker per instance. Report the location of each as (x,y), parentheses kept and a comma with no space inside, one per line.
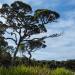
(21,23)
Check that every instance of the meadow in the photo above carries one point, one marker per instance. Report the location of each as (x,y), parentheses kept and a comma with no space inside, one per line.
(37,70)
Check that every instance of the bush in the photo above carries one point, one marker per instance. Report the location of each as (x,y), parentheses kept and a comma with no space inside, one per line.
(62,71)
(5,59)
(23,70)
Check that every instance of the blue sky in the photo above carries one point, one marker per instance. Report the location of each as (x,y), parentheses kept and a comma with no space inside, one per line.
(63,47)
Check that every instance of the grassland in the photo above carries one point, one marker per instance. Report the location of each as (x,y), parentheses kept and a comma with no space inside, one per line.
(23,70)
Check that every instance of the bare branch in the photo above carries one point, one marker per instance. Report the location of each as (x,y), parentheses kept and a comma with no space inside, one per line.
(12,40)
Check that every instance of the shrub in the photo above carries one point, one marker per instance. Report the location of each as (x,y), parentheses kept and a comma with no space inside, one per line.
(37,70)
(62,71)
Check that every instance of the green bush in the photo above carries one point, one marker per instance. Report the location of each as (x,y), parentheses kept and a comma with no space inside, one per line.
(62,71)
(23,70)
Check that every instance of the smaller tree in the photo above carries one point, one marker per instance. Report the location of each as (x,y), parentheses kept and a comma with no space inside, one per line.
(5,57)
(3,43)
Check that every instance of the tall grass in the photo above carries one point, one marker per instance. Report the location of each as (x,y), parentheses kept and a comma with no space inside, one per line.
(62,71)
(23,70)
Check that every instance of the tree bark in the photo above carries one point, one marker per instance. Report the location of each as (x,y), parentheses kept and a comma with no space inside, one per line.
(29,60)
(14,56)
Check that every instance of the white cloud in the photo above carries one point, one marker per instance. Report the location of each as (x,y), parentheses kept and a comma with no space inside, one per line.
(62,47)
(34,2)
(69,14)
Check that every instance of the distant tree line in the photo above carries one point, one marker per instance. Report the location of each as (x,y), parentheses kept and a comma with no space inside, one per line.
(52,64)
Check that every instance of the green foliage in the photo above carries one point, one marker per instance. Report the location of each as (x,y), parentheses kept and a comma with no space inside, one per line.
(23,70)
(5,59)
(46,16)
(21,46)
(24,23)
(62,71)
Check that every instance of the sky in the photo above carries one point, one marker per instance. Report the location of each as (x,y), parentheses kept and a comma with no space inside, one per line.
(59,48)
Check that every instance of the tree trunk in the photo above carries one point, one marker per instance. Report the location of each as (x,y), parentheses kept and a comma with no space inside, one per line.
(14,56)
(29,60)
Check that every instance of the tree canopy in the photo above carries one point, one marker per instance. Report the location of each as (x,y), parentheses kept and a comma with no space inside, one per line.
(23,23)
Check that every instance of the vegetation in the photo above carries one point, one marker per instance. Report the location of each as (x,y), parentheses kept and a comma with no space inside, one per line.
(62,71)
(20,24)
(23,70)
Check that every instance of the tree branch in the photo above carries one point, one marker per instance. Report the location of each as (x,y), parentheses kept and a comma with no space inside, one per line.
(12,40)
(45,37)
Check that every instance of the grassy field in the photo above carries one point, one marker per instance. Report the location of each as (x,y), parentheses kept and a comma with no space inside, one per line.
(23,70)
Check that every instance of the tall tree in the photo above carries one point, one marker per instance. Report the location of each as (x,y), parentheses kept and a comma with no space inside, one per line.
(5,57)
(23,23)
